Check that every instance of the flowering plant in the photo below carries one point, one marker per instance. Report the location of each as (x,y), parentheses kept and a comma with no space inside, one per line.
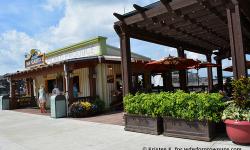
(86,108)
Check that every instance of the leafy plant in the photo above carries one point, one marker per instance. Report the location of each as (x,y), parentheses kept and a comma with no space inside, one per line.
(240,107)
(189,106)
(241,92)
(234,112)
(86,108)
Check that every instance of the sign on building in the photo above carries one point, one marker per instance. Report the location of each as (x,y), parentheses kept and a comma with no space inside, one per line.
(34,58)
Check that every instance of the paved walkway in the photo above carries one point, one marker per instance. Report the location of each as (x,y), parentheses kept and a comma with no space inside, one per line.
(115,118)
(22,131)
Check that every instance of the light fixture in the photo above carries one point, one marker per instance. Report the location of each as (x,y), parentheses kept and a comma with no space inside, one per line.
(110,67)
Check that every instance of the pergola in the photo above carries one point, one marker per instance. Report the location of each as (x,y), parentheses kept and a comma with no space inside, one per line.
(220,27)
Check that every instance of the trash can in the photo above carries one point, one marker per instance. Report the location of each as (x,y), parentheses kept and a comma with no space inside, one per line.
(4,102)
(58,106)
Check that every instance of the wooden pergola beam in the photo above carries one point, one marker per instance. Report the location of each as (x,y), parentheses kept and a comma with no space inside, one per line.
(139,8)
(118,16)
(144,35)
(207,5)
(155,11)
(192,21)
(244,5)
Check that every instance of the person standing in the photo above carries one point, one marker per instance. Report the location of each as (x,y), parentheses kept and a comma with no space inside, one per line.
(75,91)
(42,99)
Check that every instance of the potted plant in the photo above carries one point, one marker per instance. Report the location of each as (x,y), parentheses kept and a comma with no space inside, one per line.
(142,113)
(237,115)
(191,115)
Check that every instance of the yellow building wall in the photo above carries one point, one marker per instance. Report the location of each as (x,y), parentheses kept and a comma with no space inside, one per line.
(83,74)
(104,89)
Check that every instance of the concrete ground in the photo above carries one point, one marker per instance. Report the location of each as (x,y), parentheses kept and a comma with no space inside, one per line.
(23,131)
(115,118)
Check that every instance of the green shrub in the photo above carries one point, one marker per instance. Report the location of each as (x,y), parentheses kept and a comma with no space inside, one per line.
(239,109)
(142,104)
(189,106)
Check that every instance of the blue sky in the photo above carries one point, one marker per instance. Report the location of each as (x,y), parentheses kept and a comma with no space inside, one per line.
(51,24)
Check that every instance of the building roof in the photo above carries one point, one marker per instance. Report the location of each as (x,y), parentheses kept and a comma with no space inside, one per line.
(105,49)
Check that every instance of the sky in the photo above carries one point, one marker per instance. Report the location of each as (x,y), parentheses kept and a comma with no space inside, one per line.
(50,24)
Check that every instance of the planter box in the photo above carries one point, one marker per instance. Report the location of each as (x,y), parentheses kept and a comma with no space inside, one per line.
(143,124)
(197,130)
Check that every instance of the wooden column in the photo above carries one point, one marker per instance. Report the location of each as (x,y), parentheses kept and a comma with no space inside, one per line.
(209,74)
(164,81)
(92,81)
(169,83)
(67,88)
(219,74)
(13,100)
(182,73)
(236,42)
(147,81)
(28,91)
(135,84)
(33,100)
(125,62)
(32,87)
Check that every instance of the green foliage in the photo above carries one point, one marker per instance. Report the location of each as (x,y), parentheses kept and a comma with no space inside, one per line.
(234,112)
(143,104)
(100,104)
(241,92)
(189,106)
(240,108)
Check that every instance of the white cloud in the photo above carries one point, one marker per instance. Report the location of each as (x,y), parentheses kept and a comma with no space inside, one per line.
(82,20)
(13,46)
(170,51)
(195,56)
(50,5)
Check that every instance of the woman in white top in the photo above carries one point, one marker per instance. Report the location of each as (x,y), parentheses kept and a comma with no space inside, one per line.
(42,99)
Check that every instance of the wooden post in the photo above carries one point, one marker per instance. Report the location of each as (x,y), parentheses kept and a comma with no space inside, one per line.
(92,81)
(28,87)
(182,73)
(31,87)
(125,61)
(13,101)
(209,74)
(219,74)
(135,84)
(164,79)
(169,81)
(147,81)
(67,79)
(236,42)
